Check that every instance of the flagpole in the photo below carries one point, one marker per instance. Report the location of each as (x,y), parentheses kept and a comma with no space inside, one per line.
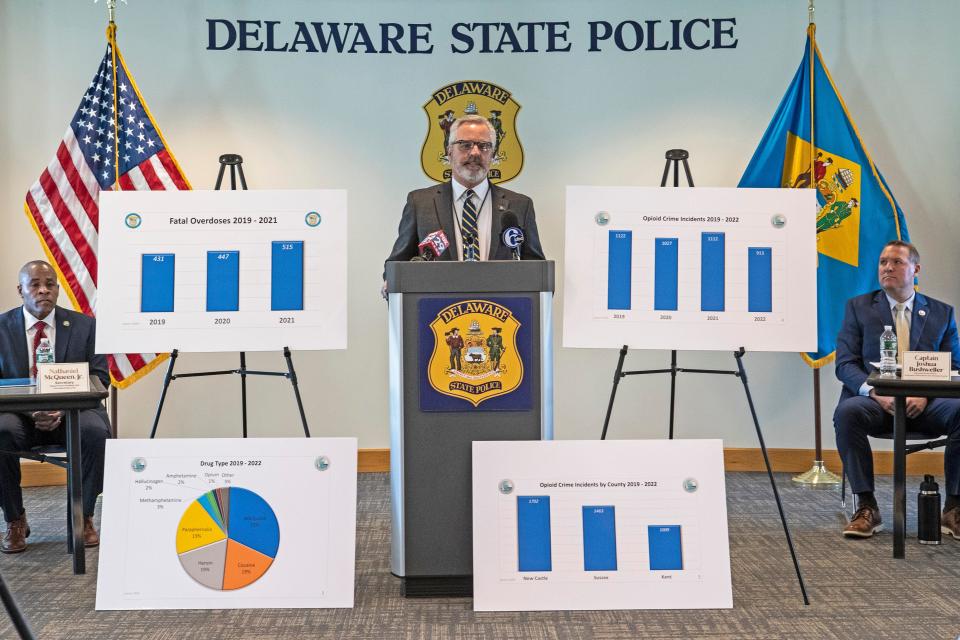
(818,476)
(112,41)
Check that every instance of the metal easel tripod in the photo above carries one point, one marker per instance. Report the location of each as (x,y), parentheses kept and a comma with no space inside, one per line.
(676,156)
(235,162)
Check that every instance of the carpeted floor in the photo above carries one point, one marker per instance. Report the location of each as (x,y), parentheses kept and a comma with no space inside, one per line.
(857,589)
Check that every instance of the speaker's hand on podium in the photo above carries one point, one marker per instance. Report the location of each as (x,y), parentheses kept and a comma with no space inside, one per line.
(383,290)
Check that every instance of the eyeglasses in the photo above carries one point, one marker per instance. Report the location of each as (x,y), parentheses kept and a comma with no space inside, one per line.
(467,145)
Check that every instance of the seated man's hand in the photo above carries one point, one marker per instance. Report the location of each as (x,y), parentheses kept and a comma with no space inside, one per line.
(885,402)
(915,406)
(46,420)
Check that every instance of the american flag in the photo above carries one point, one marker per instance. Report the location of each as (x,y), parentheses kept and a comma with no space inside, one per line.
(63,204)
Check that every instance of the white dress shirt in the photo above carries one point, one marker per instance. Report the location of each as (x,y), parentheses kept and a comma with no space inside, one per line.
(484,216)
(50,330)
(908,311)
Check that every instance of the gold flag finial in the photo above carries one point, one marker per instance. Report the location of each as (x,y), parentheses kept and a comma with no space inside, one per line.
(111,8)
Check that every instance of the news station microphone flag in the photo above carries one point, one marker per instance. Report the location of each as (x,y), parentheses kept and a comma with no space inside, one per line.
(112,142)
(813,143)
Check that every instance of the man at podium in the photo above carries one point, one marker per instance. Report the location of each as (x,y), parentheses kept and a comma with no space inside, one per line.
(473,214)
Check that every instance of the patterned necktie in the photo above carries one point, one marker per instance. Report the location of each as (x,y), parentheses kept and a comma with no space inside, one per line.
(903,331)
(470,251)
(37,337)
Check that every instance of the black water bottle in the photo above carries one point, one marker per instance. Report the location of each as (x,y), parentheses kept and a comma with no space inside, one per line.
(928,511)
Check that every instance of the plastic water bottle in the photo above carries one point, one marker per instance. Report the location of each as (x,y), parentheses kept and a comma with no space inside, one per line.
(44,353)
(888,352)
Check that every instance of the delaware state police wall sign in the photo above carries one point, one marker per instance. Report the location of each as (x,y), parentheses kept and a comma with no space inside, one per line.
(472,354)
(472,97)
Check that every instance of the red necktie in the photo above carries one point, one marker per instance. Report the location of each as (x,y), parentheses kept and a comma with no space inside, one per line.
(37,337)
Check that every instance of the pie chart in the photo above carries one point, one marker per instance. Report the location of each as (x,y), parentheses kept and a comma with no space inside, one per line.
(228,538)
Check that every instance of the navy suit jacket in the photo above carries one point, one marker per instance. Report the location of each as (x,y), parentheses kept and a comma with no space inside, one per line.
(431,209)
(74,343)
(932,328)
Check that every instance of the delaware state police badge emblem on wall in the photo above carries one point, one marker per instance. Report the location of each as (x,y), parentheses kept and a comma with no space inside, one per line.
(472,97)
(475,354)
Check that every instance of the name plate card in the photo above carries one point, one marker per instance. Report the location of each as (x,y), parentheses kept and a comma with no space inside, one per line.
(62,377)
(926,365)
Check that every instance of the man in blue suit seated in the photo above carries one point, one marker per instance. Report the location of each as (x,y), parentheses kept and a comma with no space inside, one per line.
(71,335)
(931,326)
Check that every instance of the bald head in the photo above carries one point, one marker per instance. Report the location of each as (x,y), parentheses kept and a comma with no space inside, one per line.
(38,288)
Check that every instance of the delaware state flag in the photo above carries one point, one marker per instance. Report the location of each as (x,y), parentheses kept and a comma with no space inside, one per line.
(812,143)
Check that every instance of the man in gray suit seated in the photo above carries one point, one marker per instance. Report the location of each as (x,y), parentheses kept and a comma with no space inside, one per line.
(71,335)
(468,209)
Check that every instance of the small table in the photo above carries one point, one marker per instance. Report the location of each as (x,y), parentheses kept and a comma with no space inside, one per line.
(900,390)
(26,399)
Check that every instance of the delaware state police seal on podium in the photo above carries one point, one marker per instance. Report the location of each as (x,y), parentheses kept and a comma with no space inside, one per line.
(472,353)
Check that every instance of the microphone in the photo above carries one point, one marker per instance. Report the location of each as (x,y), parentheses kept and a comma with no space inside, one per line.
(512,234)
(468,247)
(432,246)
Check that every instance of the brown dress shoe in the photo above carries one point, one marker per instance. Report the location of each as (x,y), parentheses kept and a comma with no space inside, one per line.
(866,521)
(90,536)
(950,523)
(15,539)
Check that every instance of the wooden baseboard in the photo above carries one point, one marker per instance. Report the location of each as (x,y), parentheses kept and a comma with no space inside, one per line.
(36,474)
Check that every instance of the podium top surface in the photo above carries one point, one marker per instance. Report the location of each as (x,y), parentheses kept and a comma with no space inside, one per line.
(492,276)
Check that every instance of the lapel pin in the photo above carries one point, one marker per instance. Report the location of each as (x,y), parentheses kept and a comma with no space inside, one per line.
(921,313)
(66,323)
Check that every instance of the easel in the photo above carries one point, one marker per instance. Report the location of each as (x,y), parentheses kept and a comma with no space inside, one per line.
(235,162)
(676,156)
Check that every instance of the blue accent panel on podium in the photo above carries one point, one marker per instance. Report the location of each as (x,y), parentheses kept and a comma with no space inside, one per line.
(286,276)
(760,279)
(223,280)
(599,538)
(666,551)
(156,282)
(665,274)
(712,262)
(533,533)
(618,269)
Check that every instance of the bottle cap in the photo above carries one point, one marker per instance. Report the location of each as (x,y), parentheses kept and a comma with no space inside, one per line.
(887,327)
(929,484)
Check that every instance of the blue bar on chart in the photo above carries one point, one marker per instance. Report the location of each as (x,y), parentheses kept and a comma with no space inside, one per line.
(665,261)
(156,282)
(759,279)
(533,533)
(712,251)
(666,552)
(599,538)
(286,276)
(223,280)
(618,269)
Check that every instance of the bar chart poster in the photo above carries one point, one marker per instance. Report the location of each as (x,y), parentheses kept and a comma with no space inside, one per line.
(628,524)
(206,271)
(690,268)
(228,523)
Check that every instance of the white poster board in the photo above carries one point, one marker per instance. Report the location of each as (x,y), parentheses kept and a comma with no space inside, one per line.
(228,523)
(600,525)
(690,268)
(222,271)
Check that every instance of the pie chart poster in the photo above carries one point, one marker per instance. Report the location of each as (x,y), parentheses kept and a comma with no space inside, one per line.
(229,523)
